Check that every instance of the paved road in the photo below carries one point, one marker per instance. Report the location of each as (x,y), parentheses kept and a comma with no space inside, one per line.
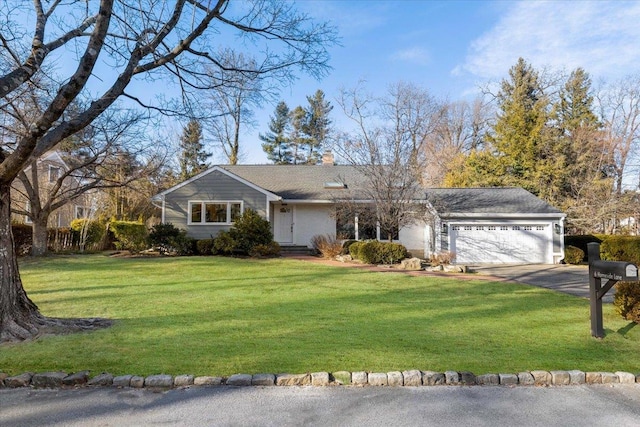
(571,279)
(603,405)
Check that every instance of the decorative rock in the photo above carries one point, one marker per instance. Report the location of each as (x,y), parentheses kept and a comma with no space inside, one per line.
(453,268)
(122,381)
(541,377)
(626,377)
(344,258)
(593,378)
(293,379)
(101,380)
(21,380)
(320,379)
(488,379)
(359,378)
(609,378)
(560,378)
(263,380)
(438,378)
(239,380)
(451,377)
(525,378)
(207,381)
(160,381)
(48,379)
(467,378)
(638,378)
(435,268)
(576,377)
(412,378)
(342,377)
(183,380)
(395,379)
(136,381)
(508,379)
(378,379)
(78,378)
(411,264)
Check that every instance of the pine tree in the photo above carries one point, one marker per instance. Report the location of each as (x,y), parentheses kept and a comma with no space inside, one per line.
(276,142)
(193,157)
(318,125)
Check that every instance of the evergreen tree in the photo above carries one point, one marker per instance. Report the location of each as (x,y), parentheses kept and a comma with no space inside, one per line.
(298,138)
(318,125)
(276,142)
(193,157)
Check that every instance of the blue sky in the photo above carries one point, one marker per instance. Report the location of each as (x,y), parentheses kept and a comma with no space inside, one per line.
(452,47)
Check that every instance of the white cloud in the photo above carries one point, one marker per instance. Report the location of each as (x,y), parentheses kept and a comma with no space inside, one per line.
(600,36)
(415,55)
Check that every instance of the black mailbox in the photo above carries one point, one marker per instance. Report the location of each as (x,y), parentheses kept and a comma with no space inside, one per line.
(613,272)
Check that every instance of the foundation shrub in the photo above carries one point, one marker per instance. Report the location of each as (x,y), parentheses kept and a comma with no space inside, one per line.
(626,300)
(346,245)
(205,246)
(129,235)
(168,238)
(250,230)
(573,255)
(223,244)
(269,250)
(374,252)
(326,245)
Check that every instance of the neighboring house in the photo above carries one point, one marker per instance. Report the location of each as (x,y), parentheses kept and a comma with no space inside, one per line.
(50,167)
(492,225)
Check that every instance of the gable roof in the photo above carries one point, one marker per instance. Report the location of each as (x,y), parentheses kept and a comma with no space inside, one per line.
(301,182)
(494,200)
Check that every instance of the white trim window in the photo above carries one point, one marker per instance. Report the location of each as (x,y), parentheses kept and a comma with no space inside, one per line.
(27,207)
(214,212)
(54,173)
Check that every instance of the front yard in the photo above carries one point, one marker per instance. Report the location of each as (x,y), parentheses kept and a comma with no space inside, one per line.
(220,316)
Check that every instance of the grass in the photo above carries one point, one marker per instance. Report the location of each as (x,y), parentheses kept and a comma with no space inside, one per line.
(220,316)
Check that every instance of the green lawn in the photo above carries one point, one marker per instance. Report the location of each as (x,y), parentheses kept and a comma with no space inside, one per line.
(220,316)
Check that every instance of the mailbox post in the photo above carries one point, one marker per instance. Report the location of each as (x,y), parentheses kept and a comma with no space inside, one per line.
(613,271)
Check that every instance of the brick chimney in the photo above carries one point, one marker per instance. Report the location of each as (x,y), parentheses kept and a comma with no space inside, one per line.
(327,158)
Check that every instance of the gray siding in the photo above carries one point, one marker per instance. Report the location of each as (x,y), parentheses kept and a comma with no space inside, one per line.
(212,186)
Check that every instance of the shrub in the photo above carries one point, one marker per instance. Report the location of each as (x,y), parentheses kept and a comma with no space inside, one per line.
(169,238)
(326,245)
(626,300)
(250,230)
(442,258)
(346,245)
(374,252)
(223,244)
(87,233)
(205,246)
(621,248)
(271,249)
(581,241)
(129,235)
(573,255)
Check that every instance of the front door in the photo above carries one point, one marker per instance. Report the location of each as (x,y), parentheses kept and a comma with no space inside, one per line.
(283,224)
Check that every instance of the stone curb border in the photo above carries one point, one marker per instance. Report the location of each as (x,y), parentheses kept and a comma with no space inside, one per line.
(320,379)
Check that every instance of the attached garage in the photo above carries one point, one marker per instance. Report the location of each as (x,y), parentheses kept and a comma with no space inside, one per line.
(495,226)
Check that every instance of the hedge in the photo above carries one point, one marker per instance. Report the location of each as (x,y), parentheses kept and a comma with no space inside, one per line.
(374,252)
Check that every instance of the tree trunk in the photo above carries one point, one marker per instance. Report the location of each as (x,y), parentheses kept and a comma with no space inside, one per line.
(19,316)
(40,237)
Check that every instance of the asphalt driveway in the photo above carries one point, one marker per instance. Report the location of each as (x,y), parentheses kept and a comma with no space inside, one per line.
(570,279)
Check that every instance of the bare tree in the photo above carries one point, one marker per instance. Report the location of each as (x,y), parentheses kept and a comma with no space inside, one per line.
(230,108)
(386,149)
(619,104)
(119,42)
(460,127)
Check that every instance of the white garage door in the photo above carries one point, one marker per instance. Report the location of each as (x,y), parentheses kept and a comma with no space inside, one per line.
(500,244)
